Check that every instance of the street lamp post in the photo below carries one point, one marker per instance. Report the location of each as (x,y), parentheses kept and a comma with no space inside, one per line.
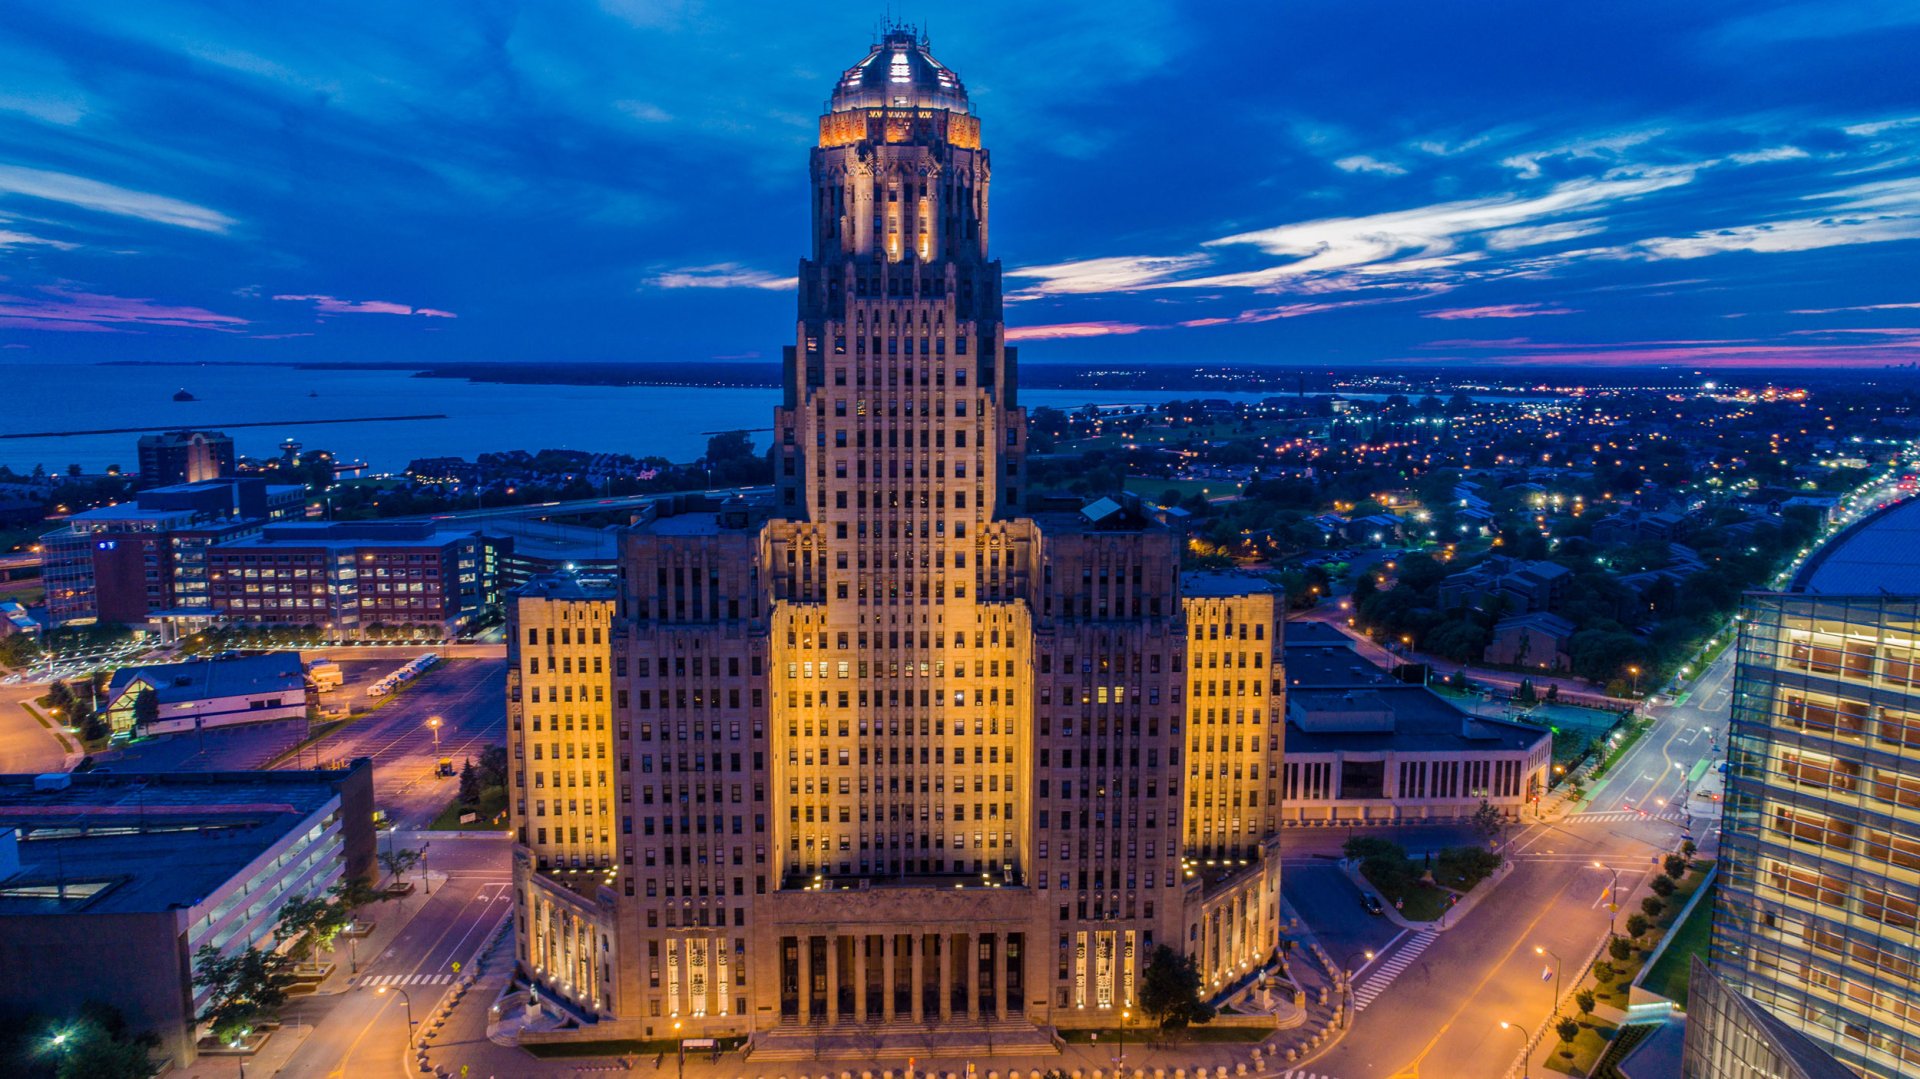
(426,874)
(1524,1046)
(1539,950)
(681,1041)
(1613,900)
(1352,973)
(407,1002)
(1120,1058)
(1635,671)
(434,722)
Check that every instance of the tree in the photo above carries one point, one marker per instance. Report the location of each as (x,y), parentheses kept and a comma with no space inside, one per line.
(316,919)
(493,766)
(1583,1000)
(1688,848)
(146,709)
(1637,925)
(1553,692)
(1526,695)
(1170,991)
(399,861)
(1663,885)
(1653,905)
(1620,949)
(243,988)
(1464,867)
(1488,821)
(98,1045)
(469,784)
(1568,1029)
(1675,865)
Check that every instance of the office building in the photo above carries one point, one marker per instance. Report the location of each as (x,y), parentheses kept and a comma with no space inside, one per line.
(184,457)
(350,577)
(894,760)
(109,883)
(1819,888)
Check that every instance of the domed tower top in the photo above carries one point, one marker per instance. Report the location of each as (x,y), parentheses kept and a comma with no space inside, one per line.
(899,72)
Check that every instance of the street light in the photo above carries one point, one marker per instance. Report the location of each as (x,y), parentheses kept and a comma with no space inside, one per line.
(1613,900)
(1524,1046)
(1539,950)
(682,1042)
(405,1000)
(1120,1058)
(434,723)
(1347,968)
(1635,671)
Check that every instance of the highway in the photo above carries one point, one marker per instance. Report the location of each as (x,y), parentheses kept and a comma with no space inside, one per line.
(580,506)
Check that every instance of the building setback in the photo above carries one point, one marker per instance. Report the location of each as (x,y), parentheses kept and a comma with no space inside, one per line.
(110,883)
(892,755)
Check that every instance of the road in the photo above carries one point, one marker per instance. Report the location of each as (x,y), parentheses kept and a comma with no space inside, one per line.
(360,1031)
(1487,971)
(470,697)
(27,744)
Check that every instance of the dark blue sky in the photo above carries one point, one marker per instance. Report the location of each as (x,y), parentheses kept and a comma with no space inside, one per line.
(1278,182)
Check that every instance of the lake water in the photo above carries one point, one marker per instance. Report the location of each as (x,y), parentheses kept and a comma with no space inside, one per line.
(482,417)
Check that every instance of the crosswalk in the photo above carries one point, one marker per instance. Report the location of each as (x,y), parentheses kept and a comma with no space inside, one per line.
(1616,816)
(407,979)
(1376,980)
(1304,1075)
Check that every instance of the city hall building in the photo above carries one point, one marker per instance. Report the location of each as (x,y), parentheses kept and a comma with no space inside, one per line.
(892,761)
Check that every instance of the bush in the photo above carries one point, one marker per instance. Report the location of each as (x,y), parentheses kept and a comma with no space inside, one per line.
(1604,972)
(1583,1000)
(1663,885)
(1568,1029)
(1653,905)
(1637,925)
(1620,949)
(1676,866)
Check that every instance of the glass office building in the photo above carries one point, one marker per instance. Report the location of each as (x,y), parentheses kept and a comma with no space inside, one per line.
(1819,894)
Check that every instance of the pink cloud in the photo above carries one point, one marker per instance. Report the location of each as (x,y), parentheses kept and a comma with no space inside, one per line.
(1863,307)
(69,311)
(333,305)
(277,336)
(1503,310)
(1068,330)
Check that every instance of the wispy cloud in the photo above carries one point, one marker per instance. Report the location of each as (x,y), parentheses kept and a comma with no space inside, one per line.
(1120,274)
(333,305)
(69,311)
(106,198)
(1061,331)
(1857,307)
(1369,163)
(1879,212)
(9,238)
(1504,310)
(721,275)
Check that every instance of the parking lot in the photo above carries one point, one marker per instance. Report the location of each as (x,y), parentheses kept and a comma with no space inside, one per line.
(1330,905)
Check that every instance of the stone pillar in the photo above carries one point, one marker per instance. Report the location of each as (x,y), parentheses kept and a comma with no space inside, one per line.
(889,973)
(943,1006)
(918,942)
(806,977)
(860,970)
(1000,976)
(833,978)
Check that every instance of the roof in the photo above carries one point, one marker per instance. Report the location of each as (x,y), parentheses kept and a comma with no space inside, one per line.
(1540,620)
(150,843)
(899,71)
(559,586)
(206,679)
(1423,721)
(1223,584)
(1872,557)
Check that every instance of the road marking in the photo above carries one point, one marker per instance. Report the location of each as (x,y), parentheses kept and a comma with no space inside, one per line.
(407,979)
(1392,967)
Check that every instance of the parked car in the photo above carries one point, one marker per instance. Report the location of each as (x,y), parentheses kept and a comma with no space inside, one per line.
(1372,903)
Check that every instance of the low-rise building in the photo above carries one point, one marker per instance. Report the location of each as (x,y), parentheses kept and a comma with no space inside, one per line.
(205,693)
(109,883)
(1540,640)
(1507,584)
(1362,746)
(352,576)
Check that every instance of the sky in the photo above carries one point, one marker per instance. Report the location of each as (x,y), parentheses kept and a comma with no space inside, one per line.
(1283,182)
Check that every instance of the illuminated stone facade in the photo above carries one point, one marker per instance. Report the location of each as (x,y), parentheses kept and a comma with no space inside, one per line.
(894,753)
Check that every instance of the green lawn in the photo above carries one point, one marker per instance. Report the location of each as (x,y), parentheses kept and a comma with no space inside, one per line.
(491,811)
(1579,1056)
(1669,976)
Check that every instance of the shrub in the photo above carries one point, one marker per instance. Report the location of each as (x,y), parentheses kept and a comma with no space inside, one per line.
(1604,972)
(1568,1029)
(1583,1000)
(1663,885)
(1653,905)
(1676,866)
(1636,925)
(1620,949)
(1464,867)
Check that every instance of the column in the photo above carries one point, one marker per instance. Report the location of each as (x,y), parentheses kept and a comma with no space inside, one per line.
(918,942)
(806,977)
(1000,976)
(833,978)
(943,1004)
(860,971)
(889,973)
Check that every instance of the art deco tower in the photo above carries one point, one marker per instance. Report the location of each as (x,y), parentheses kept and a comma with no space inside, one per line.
(901,750)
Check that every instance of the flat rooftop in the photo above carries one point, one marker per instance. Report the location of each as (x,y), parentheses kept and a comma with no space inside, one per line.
(133,844)
(1223,584)
(1423,721)
(1873,557)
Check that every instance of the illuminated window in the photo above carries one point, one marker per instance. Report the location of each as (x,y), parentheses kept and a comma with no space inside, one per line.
(900,72)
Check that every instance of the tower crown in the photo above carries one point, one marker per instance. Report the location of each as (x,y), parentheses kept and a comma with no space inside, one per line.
(899,72)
